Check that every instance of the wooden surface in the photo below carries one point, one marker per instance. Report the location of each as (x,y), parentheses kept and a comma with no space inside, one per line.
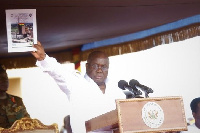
(105,122)
(127,118)
(130,112)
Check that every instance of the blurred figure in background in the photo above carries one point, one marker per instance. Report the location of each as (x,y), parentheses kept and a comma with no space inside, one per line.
(11,107)
(66,127)
(195,107)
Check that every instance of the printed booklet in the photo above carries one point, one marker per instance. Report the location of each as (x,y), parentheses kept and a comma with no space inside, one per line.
(21,29)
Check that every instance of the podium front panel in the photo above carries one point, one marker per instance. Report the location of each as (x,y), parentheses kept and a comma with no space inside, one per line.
(139,115)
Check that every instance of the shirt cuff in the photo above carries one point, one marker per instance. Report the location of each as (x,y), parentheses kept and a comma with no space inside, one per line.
(47,63)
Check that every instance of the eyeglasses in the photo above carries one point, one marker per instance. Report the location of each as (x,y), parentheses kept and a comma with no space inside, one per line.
(97,66)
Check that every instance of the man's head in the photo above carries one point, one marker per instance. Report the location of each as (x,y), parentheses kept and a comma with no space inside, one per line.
(97,66)
(3,79)
(195,107)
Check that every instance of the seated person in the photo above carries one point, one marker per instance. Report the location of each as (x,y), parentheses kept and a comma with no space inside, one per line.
(11,107)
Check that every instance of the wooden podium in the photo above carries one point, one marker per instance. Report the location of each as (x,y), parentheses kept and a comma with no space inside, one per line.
(139,115)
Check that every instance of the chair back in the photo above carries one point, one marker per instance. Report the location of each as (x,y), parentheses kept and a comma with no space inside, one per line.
(29,125)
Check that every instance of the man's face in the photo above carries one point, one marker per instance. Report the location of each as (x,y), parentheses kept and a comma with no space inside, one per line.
(3,81)
(197,115)
(97,69)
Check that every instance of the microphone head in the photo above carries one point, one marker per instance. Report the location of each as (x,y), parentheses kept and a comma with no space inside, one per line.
(150,90)
(133,82)
(122,84)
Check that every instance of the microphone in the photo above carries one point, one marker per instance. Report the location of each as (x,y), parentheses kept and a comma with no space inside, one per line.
(124,86)
(135,83)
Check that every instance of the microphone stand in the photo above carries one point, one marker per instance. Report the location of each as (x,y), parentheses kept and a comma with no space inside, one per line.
(146,91)
(134,94)
(146,94)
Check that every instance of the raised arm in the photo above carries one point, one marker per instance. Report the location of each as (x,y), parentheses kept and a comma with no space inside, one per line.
(52,67)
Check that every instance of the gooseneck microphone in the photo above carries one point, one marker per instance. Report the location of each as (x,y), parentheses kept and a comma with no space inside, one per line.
(135,83)
(122,84)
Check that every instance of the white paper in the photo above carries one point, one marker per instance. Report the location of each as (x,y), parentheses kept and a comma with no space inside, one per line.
(21,29)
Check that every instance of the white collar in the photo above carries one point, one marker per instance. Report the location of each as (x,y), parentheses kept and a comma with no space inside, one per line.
(91,80)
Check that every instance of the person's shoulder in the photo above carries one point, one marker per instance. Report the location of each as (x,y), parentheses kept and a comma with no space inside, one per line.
(14,98)
(112,82)
(191,129)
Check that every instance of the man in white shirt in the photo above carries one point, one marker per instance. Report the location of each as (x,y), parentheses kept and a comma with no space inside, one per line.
(195,107)
(90,95)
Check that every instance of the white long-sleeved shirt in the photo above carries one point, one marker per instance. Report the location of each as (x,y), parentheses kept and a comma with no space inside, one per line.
(86,99)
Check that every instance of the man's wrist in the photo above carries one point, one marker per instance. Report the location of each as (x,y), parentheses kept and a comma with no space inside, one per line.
(42,57)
